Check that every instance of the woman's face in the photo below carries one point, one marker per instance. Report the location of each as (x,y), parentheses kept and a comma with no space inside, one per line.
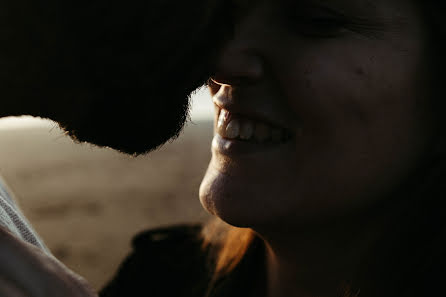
(321,109)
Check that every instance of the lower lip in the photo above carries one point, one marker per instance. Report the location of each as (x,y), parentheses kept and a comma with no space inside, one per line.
(231,147)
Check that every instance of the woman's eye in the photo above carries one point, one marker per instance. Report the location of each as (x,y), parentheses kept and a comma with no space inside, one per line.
(313,20)
(320,27)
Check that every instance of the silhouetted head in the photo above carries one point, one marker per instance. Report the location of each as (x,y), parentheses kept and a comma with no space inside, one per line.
(109,73)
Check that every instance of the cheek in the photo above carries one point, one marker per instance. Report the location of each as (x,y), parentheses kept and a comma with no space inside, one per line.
(360,117)
(356,93)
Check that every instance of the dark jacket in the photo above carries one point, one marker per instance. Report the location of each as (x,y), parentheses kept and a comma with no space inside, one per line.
(171,262)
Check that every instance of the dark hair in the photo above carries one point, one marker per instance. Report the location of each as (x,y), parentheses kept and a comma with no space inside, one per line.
(101,69)
(409,259)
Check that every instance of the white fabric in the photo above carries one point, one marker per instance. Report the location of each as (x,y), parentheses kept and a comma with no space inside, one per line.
(13,220)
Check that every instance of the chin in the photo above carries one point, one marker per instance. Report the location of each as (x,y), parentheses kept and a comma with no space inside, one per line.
(236,201)
(267,201)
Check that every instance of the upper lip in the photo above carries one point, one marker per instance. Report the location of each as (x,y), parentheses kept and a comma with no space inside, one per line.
(243,108)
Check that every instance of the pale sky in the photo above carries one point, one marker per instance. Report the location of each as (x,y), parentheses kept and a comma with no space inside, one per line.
(202,109)
(202,106)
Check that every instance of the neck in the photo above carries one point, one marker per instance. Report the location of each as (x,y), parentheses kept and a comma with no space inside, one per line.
(322,260)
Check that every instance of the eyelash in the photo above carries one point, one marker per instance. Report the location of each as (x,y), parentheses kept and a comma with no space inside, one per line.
(320,27)
(314,21)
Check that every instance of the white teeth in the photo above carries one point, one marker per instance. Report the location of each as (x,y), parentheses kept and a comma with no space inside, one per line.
(246,130)
(222,118)
(262,132)
(233,129)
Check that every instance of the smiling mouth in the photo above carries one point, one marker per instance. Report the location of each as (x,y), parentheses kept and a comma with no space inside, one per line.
(237,127)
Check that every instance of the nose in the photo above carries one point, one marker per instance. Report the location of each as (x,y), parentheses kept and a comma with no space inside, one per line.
(238,66)
(240,62)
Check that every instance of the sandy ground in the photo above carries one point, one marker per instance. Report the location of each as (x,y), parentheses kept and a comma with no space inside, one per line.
(87,203)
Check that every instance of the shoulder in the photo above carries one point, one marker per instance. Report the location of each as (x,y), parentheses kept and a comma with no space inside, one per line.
(6,193)
(12,219)
(164,262)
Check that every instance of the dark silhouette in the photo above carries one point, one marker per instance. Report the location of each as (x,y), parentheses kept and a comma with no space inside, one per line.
(111,73)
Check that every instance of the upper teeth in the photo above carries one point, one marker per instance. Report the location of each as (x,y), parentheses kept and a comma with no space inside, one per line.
(230,127)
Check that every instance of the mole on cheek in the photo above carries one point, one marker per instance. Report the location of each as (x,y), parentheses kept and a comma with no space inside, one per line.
(359,71)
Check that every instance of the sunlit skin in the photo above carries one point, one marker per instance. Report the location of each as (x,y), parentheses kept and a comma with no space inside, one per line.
(351,88)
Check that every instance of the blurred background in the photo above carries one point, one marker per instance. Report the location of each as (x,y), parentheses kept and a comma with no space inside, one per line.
(87,203)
